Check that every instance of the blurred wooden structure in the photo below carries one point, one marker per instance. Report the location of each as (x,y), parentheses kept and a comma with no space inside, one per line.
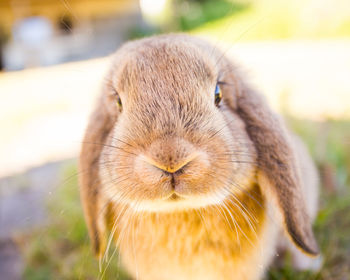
(76,11)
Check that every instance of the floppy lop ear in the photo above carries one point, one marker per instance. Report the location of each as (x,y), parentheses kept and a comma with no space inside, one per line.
(277,164)
(95,208)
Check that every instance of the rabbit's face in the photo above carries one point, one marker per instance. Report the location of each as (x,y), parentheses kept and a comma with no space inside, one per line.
(174,144)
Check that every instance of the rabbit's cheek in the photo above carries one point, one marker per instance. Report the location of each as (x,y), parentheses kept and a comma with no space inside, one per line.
(196,169)
(192,179)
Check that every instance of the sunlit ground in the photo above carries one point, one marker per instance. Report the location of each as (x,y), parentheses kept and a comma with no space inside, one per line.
(44,111)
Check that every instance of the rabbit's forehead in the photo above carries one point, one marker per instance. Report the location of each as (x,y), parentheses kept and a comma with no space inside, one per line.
(165,69)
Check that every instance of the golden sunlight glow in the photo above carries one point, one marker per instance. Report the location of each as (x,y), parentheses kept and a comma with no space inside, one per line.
(152,7)
(154,11)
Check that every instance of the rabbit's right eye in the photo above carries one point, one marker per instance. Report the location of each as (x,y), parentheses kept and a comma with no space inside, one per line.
(218,95)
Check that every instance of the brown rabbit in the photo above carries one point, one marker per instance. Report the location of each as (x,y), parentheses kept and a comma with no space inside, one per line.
(186,169)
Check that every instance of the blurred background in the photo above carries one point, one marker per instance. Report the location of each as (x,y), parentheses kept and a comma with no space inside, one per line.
(53,55)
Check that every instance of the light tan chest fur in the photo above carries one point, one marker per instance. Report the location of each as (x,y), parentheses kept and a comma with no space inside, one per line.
(219,242)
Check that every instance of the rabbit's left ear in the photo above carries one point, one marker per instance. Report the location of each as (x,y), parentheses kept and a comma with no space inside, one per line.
(95,207)
(277,163)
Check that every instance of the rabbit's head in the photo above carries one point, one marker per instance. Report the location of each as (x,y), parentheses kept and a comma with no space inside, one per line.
(177,129)
(174,145)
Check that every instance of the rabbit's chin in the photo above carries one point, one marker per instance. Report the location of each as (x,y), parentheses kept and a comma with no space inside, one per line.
(175,202)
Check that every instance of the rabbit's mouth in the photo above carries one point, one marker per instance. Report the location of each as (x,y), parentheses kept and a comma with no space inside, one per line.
(174,202)
(174,197)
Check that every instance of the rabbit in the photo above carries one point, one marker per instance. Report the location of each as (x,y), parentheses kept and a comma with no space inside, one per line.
(187,171)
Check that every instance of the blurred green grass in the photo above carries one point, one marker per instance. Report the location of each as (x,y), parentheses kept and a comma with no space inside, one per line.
(329,144)
(192,14)
(276,20)
(61,249)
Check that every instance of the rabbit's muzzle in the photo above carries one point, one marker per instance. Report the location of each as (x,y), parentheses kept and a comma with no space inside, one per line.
(173,161)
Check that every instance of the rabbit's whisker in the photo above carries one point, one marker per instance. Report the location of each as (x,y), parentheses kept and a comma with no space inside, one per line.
(114,251)
(117,139)
(249,222)
(109,146)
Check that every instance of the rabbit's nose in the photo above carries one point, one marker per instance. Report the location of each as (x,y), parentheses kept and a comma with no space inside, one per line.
(179,160)
(171,167)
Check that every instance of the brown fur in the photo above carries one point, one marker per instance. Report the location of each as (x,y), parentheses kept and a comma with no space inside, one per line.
(188,190)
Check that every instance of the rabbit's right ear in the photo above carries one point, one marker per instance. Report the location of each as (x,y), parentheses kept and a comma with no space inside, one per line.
(100,124)
(277,164)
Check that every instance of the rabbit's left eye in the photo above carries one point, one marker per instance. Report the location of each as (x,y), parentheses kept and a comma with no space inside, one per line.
(118,100)
(218,95)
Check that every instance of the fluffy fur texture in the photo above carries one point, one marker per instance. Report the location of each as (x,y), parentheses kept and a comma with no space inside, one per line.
(186,189)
